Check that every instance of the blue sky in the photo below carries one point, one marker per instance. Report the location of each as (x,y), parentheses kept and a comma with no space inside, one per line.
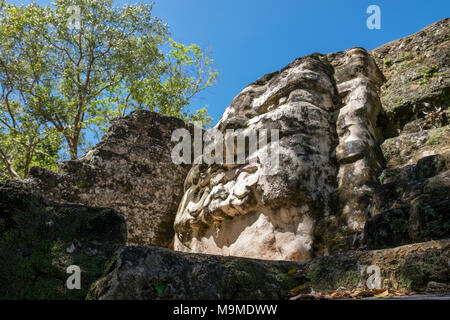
(249,38)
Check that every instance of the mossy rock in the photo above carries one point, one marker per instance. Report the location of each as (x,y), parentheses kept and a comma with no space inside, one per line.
(388,229)
(330,273)
(419,269)
(34,240)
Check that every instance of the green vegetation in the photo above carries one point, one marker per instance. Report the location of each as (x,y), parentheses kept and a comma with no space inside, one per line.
(252,281)
(435,135)
(418,272)
(61,83)
(389,148)
(386,174)
(427,73)
(423,81)
(325,275)
(159,289)
(387,62)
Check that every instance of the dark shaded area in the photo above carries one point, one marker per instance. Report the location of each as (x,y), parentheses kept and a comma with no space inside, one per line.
(35,236)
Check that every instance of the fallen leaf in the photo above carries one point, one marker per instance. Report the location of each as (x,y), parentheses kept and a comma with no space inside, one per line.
(381,295)
(335,294)
(297,289)
(292,271)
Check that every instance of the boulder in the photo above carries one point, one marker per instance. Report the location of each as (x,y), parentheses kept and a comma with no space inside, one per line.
(157,273)
(238,209)
(39,240)
(329,160)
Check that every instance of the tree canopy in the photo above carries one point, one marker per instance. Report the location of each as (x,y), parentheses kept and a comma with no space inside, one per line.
(68,69)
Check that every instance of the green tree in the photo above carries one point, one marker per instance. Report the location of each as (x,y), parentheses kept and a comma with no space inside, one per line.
(62,77)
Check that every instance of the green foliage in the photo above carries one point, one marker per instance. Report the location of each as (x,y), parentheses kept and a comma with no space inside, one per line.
(59,84)
(323,275)
(29,260)
(386,174)
(159,289)
(418,272)
(423,81)
(435,135)
(427,73)
(387,61)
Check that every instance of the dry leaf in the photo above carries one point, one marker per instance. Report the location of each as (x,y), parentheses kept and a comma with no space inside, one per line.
(381,295)
(292,271)
(335,294)
(297,289)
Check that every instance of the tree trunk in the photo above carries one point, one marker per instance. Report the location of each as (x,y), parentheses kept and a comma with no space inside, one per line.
(73,147)
(74,151)
(13,173)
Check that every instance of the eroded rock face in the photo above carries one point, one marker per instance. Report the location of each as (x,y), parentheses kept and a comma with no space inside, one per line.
(141,273)
(236,209)
(416,94)
(358,152)
(412,203)
(129,170)
(354,144)
(329,158)
(417,78)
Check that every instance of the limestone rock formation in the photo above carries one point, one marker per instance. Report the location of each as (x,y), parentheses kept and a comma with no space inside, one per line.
(364,164)
(237,209)
(358,79)
(129,170)
(416,95)
(329,159)
(413,203)
(333,113)
(417,79)
(157,273)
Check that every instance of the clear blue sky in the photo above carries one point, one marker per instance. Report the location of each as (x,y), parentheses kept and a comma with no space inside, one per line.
(249,38)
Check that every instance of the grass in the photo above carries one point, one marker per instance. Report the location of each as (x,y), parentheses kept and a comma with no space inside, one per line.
(435,135)
(387,62)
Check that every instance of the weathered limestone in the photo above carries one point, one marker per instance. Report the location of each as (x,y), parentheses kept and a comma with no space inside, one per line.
(412,203)
(236,209)
(335,190)
(129,170)
(358,152)
(417,71)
